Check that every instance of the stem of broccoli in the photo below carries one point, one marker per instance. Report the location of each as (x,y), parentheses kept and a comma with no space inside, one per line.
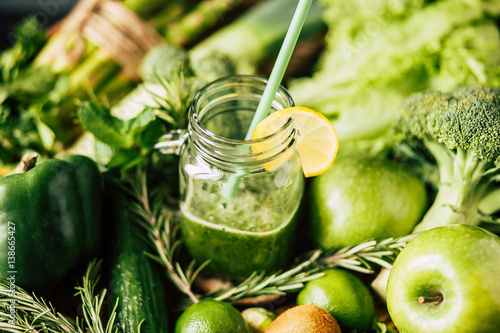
(463,187)
(442,211)
(490,203)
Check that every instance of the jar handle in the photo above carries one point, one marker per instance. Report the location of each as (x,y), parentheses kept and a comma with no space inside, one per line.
(171,142)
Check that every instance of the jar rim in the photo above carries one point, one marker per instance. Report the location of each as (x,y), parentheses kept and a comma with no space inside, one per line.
(199,126)
(222,150)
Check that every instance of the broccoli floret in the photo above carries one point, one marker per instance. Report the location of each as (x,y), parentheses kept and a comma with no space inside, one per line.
(164,60)
(213,66)
(461,130)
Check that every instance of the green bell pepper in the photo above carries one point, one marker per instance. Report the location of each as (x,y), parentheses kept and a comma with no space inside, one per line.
(49,219)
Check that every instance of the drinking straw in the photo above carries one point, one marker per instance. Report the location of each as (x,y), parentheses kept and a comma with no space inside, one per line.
(273,83)
(280,65)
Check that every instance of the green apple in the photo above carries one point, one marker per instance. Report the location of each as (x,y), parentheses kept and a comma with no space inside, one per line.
(361,198)
(447,279)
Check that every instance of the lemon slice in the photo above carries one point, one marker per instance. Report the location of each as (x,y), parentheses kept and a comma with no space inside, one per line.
(317,141)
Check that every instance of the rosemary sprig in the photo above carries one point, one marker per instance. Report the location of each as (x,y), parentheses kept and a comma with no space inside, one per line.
(259,287)
(363,256)
(173,99)
(360,258)
(34,314)
(92,303)
(31,314)
(263,287)
(162,231)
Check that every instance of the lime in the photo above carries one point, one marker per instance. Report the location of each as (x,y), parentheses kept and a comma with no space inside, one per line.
(344,296)
(211,317)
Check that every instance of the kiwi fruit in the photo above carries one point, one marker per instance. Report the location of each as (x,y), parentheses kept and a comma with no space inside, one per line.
(307,318)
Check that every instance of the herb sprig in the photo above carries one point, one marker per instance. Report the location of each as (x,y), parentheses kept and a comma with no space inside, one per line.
(259,287)
(34,314)
(361,258)
(162,231)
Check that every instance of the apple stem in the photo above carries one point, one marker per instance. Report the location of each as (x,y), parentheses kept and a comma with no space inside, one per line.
(433,299)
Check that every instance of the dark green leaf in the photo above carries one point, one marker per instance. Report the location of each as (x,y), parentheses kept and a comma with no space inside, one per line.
(29,84)
(27,39)
(150,135)
(124,159)
(137,124)
(98,120)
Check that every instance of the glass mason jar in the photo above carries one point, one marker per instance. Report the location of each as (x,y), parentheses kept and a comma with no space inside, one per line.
(238,198)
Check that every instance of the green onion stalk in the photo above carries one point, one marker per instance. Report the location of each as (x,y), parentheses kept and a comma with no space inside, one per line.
(205,15)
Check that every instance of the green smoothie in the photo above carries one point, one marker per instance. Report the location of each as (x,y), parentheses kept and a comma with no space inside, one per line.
(241,235)
(238,201)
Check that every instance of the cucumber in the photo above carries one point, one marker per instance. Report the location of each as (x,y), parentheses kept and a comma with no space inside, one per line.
(135,279)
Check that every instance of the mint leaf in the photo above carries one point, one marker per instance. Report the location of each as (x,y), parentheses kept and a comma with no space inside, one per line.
(113,131)
(141,121)
(97,119)
(124,159)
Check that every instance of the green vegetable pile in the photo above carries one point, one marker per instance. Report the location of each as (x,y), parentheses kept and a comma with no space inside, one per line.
(411,86)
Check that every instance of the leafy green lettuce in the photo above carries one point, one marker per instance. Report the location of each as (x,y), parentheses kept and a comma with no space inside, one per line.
(379,52)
